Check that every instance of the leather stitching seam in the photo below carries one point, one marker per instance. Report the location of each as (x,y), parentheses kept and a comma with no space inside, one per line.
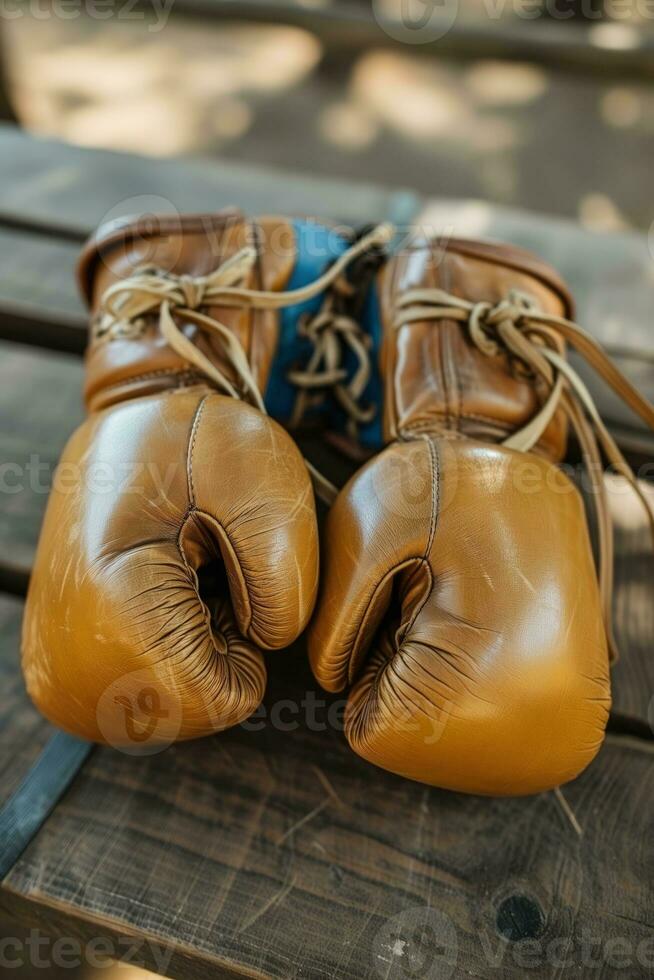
(435,511)
(193,514)
(423,559)
(163,372)
(440,339)
(389,574)
(191,447)
(435,493)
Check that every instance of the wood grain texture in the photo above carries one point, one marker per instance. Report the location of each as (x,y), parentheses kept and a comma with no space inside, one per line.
(23,732)
(633,610)
(37,272)
(39,303)
(47,184)
(273,851)
(278,853)
(40,406)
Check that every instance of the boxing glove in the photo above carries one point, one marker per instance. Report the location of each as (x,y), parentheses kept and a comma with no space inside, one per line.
(180,536)
(459,602)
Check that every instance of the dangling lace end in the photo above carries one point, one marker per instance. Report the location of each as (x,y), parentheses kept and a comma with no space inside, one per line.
(614,650)
(527,437)
(517,323)
(324,489)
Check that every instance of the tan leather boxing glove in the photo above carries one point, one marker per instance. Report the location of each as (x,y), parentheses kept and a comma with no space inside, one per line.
(459,602)
(180,538)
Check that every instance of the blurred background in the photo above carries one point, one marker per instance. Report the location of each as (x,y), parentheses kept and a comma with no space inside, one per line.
(539,104)
(542,104)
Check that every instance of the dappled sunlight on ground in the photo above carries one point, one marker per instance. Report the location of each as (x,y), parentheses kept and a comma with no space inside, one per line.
(349,125)
(502,83)
(617,37)
(158,93)
(567,143)
(598,212)
(408,95)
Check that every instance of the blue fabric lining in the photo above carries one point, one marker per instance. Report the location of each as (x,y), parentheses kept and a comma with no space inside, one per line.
(317,247)
(370,435)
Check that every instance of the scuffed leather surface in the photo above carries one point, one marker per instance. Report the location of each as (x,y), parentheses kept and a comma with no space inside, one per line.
(196,245)
(458,600)
(434,375)
(201,478)
(180,538)
(464,613)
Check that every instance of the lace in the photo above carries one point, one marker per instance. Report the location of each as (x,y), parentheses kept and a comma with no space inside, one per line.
(516,326)
(125,304)
(332,334)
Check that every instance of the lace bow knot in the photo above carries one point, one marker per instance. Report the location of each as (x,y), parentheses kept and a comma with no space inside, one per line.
(515,325)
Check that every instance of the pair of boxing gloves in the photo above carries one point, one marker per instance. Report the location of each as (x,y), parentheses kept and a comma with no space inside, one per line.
(456,599)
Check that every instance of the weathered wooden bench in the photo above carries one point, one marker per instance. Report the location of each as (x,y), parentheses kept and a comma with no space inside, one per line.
(271,850)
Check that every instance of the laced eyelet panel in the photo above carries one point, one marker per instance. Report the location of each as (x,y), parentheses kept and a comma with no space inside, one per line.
(516,326)
(150,291)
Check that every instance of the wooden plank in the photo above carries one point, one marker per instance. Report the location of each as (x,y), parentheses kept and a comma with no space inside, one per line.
(7,113)
(38,271)
(242,853)
(633,610)
(48,185)
(40,405)
(237,855)
(49,189)
(39,302)
(52,196)
(24,731)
